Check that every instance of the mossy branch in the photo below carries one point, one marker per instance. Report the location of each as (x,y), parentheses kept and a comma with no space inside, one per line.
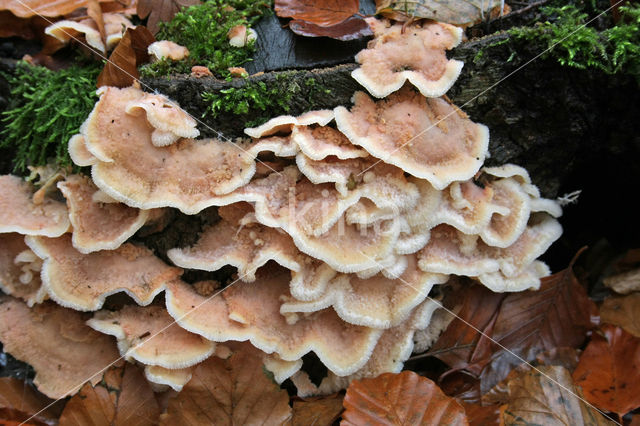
(574,43)
(256,102)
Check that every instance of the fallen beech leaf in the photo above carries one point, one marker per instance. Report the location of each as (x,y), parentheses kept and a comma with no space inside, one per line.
(48,8)
(233,391)
(535,399)
(623,312)
(121,70)
(458,345)
(321,411)
(563,357)
(19,401)
(350,29)
(160,11)
(399,399)
(13,26)
(127,399)
(609,370)
(320,12)
(95,12)
(459,12)
(558,314)
(481,416)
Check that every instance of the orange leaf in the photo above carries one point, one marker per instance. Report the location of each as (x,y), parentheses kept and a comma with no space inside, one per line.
(482,416)
(19,401)
(232,391)
(127,400)
(609,370)
(317,411)
(548,396)
(320,12)
(48,8)
(623,312)
(121,70)
(400,399)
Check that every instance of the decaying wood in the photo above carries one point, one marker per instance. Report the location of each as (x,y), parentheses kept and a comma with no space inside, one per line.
(551,119)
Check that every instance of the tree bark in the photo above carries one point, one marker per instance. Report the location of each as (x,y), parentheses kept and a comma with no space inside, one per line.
(551,119)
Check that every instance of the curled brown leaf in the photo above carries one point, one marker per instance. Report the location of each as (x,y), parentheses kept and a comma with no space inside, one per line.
(232,391)
(319,12)
(609,370)
(125,398)
(400,399)
(160,11)
(121,70)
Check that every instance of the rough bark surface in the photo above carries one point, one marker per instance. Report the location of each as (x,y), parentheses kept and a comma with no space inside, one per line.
(551,119)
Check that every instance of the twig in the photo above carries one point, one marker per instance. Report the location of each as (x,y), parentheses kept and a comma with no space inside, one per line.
(520,11)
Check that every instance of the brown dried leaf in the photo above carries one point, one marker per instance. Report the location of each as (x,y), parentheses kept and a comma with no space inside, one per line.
(461,346)
(161,11)
(623,312)
(558,314)
(127,399)
(481,416)
(350,29)
(19,401)
(564,357)
(609,370)
(399,399)
(47,8)
(232,391)
(121,70)
(324,13)
(459,12)
(547,396)
(317,411)
(13,26)
(95,12)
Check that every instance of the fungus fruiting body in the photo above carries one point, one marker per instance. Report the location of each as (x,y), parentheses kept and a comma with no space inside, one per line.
(338,222)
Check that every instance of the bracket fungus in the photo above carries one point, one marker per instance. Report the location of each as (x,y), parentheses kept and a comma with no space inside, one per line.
(20,213)
(167,49)
(62,349)
(416,53)
(150,336)
(20,270)
(97,223)
(83,281)
(339,224)
(115,25)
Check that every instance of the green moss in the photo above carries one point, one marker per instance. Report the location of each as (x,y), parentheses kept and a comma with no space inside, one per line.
(203,30)
(46,108)
(257,102)
(575,44)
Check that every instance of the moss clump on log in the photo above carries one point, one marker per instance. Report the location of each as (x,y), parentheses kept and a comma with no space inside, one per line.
(255,102)
(203,30)
(45,109)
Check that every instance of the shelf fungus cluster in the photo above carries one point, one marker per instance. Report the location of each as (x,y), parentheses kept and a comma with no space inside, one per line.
(340,223)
